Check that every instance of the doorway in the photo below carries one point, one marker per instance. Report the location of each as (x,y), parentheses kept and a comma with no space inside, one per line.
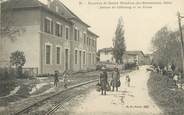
(66,59)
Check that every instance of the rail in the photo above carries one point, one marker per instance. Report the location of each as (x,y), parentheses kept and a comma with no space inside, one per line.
(40,102)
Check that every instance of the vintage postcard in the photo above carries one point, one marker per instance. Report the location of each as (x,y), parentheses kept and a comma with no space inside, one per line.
(91,57)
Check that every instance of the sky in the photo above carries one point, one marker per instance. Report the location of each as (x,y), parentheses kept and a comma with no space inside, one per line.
(140,25)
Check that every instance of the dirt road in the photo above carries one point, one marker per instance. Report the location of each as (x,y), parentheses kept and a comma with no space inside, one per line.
(133,100)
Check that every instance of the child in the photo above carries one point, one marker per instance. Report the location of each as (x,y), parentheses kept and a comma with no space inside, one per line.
(128,80)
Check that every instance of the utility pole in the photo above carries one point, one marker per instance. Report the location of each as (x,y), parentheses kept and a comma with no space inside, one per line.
(181,37)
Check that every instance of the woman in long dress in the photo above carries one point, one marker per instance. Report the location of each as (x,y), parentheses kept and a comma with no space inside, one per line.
(103,82)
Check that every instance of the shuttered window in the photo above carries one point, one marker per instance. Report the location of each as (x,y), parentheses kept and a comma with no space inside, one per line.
(58,55)
(48,25)
(84,57)
(76,56)
(48,54)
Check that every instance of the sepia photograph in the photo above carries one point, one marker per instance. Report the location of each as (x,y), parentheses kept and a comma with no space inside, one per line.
(91,57)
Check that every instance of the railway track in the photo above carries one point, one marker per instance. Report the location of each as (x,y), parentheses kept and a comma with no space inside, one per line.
(42,101)
(59,105)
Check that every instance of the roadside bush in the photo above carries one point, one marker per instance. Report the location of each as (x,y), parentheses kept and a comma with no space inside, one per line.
(167,97)
(130,66)
(7,80)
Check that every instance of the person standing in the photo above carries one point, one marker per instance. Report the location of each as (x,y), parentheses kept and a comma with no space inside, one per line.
(173,67)
(115,82)
(103,82)
(56,80)
(175,78)
(65,78)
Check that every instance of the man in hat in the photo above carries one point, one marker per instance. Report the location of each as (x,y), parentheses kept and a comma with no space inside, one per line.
(115,82)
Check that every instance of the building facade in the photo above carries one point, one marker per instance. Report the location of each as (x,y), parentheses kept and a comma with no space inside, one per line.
(54,38)
(106,55)
(137,57)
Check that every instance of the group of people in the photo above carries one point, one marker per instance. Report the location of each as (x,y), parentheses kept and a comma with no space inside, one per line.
(172,73)
(65,76)
(115,82)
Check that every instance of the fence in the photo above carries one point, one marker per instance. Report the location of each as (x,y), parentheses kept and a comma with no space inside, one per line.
(30,71)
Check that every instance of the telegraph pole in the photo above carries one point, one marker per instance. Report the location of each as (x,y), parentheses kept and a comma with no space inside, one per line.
(181,37)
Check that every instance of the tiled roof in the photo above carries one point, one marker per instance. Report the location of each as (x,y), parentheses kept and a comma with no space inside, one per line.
(127,52)
(22,3)
(93,33)
(106,49)
(72,15)
(134,52)
(66,13)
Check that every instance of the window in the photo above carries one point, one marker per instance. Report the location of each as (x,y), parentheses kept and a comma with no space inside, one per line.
(58,55)
(87,41)
(75,34)
(84,57)
(84,35)
(75,56)
(48,25)
(78,35)
(57,29)
(61,30)
(94,43)
(66,59)
(89,58)
(48,54)
(67,33)
(94,59)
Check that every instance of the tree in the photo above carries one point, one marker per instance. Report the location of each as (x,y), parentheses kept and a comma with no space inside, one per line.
(18,60)
(8,29)
(166,46)
(119,42)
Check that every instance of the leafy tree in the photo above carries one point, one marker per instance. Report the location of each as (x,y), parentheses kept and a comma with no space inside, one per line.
(18,60)
(167,48)
(8,28)
(119,42)
(7,22)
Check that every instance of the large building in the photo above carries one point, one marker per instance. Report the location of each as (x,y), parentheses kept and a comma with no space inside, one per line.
(54,38)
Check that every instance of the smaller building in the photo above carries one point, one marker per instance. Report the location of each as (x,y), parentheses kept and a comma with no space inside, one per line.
(147,59)
(138,57)
(134,57)
(106,55)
